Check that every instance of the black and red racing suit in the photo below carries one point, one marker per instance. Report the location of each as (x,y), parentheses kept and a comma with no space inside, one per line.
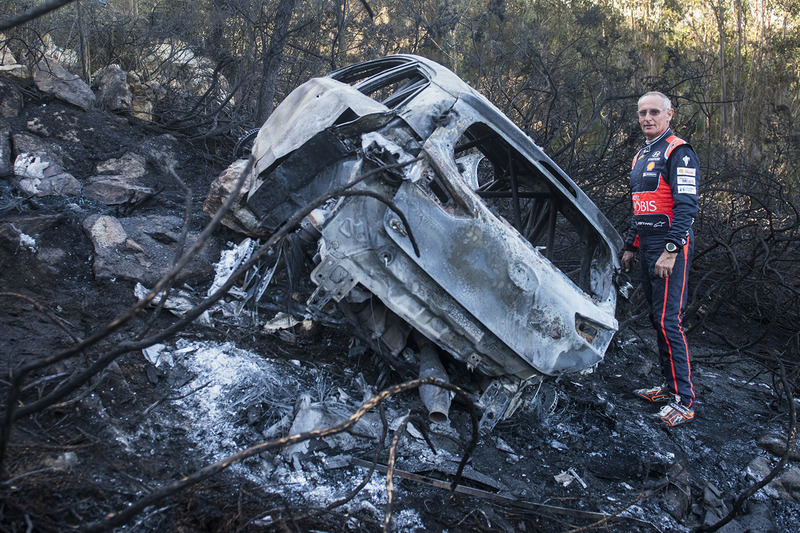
(664,183)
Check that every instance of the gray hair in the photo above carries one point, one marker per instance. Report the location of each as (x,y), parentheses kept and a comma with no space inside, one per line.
(664,99)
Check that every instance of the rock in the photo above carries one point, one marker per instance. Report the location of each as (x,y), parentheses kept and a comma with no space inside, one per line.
(142,97)
(141,248)
(64,56)
(116,190)
(757,470)
(238,218)
(129,166)
(759,519)
(790,481)
(13,239)
(19,74)
(113,93)
(6,56)
(38,175)
(714,505)
(23,142)
(104,231)
(51,78)
(160,151)
(118,182)
(10,100)
(776,445)
(678,496)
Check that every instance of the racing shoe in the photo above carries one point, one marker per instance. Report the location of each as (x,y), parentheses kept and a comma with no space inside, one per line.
(658,394)
(676,413)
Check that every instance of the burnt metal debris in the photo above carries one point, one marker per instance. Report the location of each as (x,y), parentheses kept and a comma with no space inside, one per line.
(458,232)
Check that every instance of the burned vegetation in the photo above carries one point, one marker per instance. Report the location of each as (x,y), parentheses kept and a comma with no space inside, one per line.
(390,232)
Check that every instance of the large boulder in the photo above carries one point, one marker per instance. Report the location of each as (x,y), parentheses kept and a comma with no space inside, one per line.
(113,92)
(51,78)
(174,64)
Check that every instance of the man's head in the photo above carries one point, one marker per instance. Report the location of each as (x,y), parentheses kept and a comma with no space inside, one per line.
(655,112)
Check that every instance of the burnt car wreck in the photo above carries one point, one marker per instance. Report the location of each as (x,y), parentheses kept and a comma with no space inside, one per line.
(459,239)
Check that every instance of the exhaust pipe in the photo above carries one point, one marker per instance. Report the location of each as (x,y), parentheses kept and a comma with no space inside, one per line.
(436,399)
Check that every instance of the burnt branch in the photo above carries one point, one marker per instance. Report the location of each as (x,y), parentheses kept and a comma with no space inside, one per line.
(33,13)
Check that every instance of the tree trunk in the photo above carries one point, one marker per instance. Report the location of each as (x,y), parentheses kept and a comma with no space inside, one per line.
(271,59)
(719,12)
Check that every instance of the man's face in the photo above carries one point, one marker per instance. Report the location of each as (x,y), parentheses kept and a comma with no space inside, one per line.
(653,119)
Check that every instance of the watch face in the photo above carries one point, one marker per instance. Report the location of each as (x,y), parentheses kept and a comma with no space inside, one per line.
(671,247)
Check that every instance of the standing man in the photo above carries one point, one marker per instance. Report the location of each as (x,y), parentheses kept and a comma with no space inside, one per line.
(664,184)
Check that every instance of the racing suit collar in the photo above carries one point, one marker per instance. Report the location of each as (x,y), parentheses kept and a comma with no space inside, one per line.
(666,133)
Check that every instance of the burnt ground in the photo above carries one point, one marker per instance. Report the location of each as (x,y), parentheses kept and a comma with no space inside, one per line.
(135,427)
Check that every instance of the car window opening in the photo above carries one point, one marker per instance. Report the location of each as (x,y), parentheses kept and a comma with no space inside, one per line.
(520,193)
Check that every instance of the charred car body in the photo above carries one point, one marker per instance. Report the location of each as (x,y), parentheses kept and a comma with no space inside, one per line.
(458,232)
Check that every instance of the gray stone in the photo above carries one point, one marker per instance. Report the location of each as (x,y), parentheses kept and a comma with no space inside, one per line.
(758,469)
(140,248)
(776,445)
(6,56)
(25,143)
(160,151)
(129,166)
(240,220)
(790,482)
(678,497)
(714,506)
(51,78)
(142,99)
(115,190)
(38,175)
(113,93)
(11,102)
(118,182)
(19,74)
(758,519)
(22,233)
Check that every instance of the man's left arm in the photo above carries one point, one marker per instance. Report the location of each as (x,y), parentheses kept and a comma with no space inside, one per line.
(684,180)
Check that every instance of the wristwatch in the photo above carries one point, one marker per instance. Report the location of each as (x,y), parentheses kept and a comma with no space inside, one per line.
(671,247)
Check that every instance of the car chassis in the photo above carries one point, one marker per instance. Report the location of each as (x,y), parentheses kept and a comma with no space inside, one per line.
(457,231)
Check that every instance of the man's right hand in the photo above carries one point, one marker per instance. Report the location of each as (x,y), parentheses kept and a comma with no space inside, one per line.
(628,259)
